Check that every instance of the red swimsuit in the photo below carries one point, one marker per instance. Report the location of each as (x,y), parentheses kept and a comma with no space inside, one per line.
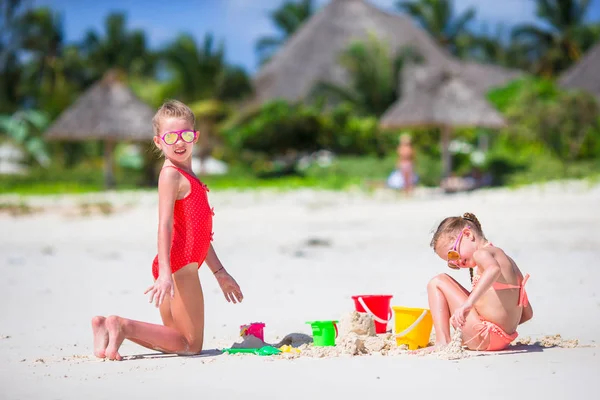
(192,227)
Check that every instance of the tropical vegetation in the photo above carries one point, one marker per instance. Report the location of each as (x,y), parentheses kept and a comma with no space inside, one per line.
(552,133)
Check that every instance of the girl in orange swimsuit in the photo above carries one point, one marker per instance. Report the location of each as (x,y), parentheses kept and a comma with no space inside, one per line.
(490,313)
(184,244)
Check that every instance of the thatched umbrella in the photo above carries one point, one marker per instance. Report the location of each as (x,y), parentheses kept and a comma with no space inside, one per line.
(109,111)
(311,54)
(439,98)
(585,74)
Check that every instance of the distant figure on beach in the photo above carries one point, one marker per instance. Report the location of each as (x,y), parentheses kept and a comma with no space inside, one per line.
(184,243)
(488,315)
(404,176)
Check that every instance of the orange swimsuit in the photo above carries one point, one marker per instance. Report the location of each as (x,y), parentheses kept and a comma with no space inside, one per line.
(192,227)
(499,339)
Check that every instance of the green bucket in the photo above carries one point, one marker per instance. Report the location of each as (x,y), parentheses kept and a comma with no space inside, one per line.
(324,332)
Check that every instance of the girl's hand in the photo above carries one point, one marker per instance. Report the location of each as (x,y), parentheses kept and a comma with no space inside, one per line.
(229,286)
(460,315)
(162,286)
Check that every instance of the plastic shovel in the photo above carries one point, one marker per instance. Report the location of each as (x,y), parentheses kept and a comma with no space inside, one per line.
(263,351)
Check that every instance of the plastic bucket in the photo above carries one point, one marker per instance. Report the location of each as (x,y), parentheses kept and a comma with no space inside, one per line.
(378,305)
(255,329)
(412,326)
(324,332)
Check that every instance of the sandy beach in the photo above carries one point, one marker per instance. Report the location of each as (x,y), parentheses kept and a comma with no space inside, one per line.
(298,256)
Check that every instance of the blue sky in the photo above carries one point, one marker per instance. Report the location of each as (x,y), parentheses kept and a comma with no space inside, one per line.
(241,22)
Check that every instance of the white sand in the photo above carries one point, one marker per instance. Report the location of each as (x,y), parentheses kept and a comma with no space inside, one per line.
(60,269)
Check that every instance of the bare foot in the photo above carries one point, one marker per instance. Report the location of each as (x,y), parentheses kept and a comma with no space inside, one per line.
(115,337)
(100,336)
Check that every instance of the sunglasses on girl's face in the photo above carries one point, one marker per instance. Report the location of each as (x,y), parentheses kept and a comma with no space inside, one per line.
(453,254)
(186,135)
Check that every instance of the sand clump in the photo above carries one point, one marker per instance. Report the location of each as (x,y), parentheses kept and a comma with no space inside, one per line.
(359,323)
(356,337)
(454,350)
(548,341)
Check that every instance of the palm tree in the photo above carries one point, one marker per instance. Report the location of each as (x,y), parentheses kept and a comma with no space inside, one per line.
(375,77)
(566,37)
(439,19)
(287,19)
(53,73)
(493,48)
(205,80)
(202,72)
(119,48)
(11,12)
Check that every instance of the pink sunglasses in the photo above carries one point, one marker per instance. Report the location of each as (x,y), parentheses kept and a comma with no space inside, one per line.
(186,135)
(453,254)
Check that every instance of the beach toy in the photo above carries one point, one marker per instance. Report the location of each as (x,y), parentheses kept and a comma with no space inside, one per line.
(254,329)
(289,349)
(412,326)
(378,306)
(324,332)
(263,351)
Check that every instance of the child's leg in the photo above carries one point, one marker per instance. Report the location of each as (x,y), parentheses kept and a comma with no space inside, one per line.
(186,333)
(445,295)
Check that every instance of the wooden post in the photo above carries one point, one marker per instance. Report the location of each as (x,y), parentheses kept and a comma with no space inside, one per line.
(446,156)
(109,168)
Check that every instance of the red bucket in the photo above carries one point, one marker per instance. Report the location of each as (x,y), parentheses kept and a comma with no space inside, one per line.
(378,305)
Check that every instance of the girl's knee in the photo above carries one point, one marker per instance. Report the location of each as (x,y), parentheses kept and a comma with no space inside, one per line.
(98,321)
(195,346)
(115,321)
(435,282)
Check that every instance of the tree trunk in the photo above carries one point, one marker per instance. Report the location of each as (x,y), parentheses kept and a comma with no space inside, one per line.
(109,167)
(446,156)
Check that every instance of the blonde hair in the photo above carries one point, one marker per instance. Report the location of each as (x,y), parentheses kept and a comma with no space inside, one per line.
(452,225)
(405,138)
(173,109)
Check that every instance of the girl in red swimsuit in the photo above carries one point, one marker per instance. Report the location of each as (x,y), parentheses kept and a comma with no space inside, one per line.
(184,244)
(490,313)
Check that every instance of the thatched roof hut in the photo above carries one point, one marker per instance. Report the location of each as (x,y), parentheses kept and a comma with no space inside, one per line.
(311,54)
(437,97)
(440,98)
(107,111)
(585,74)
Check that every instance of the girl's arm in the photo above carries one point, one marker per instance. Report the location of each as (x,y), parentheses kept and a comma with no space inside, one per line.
(228,285)
(168,188)
(213,261)
(491,272)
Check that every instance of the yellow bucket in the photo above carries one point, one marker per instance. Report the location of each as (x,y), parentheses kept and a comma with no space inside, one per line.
(412,326)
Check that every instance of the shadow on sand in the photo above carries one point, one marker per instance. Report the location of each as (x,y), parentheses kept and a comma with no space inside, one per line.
(292,339)
(203,354)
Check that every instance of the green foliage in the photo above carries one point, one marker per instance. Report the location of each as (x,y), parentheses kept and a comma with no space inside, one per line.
(287,19)
(25,129)
(282,129)
(563,38)
(119,48)
(201,72)
(85,177)
(374,77)
(566,123)
(438,17)
(276,129)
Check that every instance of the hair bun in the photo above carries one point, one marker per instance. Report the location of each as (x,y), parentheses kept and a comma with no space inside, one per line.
(471,217)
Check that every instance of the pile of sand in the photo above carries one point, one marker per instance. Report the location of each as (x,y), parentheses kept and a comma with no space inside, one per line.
(548,341)
(454,350)
(356,337)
